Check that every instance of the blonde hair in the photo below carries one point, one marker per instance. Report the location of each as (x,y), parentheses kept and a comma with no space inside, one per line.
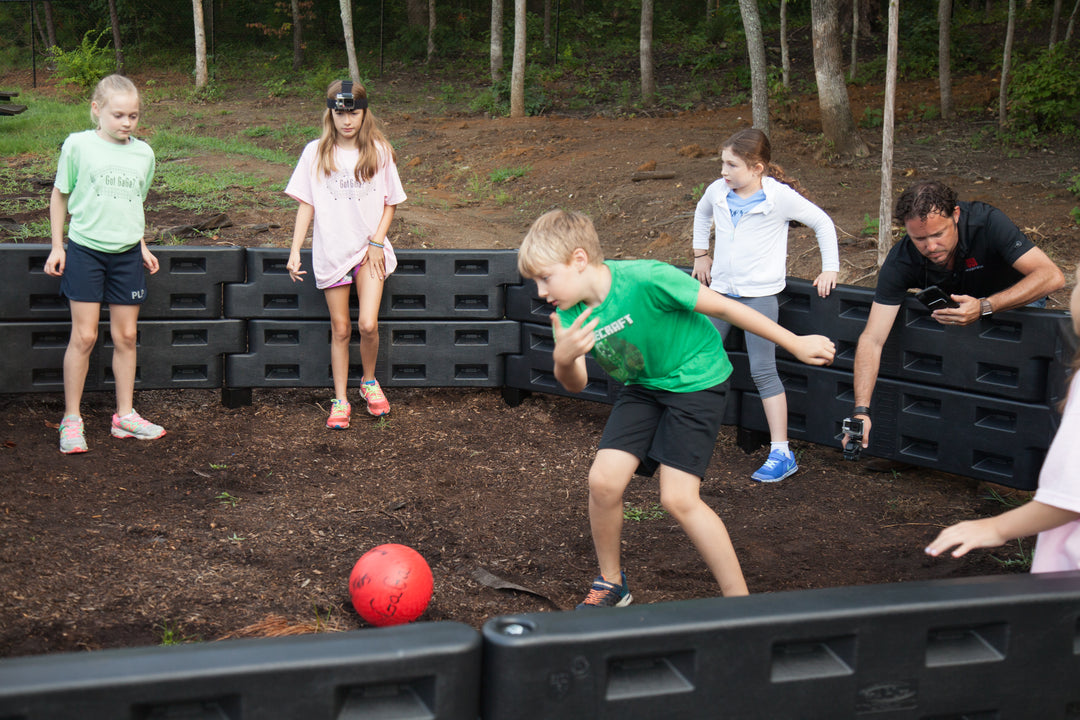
(552,240)
(370,139)
(106,88)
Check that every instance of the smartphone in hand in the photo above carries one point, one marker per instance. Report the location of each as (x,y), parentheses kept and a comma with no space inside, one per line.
(934,298)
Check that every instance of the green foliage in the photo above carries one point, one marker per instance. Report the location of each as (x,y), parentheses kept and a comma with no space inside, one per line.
(1044,93)
(501,175)
(870,226)
(1020,560)
(636,514)
(872,117)
(496,100)
(86,64)
(1074,188)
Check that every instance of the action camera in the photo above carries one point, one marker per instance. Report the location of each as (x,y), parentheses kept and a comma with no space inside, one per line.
(853,428)
(345,100)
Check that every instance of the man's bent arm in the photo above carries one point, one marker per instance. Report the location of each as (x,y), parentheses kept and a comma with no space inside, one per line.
(1041,277)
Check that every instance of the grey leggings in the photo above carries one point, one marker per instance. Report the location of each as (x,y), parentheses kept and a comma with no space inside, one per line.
(762,352)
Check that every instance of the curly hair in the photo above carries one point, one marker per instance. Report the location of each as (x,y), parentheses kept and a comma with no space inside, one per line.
(924,198)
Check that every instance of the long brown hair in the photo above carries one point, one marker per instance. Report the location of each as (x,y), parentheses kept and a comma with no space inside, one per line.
(753,147)
(370,139)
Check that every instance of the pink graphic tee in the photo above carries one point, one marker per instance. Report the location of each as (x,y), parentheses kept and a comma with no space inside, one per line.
(347,211)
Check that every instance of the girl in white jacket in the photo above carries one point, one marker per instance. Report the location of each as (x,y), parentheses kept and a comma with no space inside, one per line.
(750,207)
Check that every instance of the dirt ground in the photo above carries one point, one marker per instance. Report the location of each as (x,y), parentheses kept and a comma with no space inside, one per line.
(247,521)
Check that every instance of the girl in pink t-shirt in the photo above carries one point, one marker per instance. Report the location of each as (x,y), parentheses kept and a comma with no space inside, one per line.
(347,183)
(1054,513)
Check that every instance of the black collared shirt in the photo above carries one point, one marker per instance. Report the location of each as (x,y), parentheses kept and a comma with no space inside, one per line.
(989,244)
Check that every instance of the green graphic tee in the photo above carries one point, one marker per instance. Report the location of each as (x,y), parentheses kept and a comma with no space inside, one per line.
(106,184)
(649,333)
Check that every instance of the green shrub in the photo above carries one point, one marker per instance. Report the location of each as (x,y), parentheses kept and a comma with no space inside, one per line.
(1044,94)
(87,64)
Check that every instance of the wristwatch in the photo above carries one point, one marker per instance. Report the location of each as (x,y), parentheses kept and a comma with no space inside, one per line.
(861,410)
(985,307)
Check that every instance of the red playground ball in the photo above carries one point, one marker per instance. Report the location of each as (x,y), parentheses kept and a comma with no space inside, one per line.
(390,585)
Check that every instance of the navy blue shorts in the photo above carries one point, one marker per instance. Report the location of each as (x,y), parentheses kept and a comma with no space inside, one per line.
(112,278)
(667,428)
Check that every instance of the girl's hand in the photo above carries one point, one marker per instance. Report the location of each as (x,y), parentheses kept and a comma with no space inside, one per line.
(815,350)
(826,282)
(702,271)
(293,266)
(54,264)
(376,262)
(149,261)
(966,536)
(574,341)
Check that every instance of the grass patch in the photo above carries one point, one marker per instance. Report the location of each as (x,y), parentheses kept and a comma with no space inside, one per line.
(170,145)
(653,512)
(501,175)
(43,127)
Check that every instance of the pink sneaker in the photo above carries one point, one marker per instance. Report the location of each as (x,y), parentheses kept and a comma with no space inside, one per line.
(134,425)
(340,411)
(72,435)
(377,404)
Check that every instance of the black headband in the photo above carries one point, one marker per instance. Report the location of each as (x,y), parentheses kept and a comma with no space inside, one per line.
(345,100)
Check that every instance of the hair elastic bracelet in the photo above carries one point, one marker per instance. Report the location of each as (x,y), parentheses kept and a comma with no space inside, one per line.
(704,254)
(372,242)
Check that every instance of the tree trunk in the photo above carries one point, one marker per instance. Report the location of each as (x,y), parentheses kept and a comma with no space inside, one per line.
(416,12)
(50,25)
(944,18)
(755,50)
(837,123)
(785,56)
(648,82)
(431,30)
(350,45)
(547,24)
(201,74)
(297,37)
(517,73)
(1055,20)
(114,19)
(854,41)
(1072,22)
(1006,66)
(888,120)
(496,42)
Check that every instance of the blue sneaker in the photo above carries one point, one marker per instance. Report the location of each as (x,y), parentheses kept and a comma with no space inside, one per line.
(776,468)
(607,594)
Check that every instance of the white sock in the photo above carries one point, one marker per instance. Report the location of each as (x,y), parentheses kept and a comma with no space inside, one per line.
(782,447)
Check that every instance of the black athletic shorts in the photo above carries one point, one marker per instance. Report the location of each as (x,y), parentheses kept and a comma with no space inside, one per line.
(667,428)
(99,277)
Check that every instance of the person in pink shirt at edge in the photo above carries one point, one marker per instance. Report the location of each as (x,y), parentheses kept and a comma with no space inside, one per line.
(347,183)
(1054,512)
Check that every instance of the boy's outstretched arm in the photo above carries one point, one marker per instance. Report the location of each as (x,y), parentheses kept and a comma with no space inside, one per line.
(810,349)
(571,345)
(1030,518)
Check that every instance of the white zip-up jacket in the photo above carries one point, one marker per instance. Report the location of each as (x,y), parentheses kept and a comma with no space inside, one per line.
(750,260)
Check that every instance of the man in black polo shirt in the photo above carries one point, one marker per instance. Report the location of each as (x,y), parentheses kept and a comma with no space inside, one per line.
(970,250)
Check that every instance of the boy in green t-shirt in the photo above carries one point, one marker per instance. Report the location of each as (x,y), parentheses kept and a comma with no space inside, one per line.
(645,323)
